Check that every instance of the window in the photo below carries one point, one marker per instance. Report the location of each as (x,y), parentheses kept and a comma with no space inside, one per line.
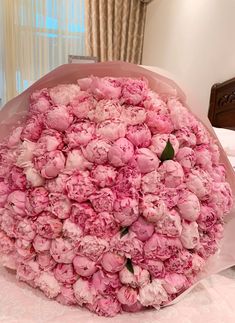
(45,33)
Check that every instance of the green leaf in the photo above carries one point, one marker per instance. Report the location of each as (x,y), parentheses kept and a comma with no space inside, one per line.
(168,152)
(124,231)
(129,266)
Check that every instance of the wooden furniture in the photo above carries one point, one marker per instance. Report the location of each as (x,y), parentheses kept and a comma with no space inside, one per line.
(74,59)
(222,105)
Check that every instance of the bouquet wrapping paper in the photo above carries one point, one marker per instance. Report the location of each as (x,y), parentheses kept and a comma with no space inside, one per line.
(15,111)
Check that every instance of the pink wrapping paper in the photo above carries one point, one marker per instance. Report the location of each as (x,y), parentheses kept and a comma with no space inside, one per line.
(15,111)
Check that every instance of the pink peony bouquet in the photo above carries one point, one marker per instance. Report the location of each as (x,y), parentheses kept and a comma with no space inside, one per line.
(112,195)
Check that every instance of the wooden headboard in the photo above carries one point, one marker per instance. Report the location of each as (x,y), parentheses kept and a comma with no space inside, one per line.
(222,105)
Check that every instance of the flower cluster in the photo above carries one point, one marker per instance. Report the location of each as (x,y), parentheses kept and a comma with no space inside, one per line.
(111,196)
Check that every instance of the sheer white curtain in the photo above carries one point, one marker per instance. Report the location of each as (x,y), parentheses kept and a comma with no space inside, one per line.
(38,35)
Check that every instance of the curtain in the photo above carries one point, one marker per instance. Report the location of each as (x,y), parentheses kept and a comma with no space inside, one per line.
(37,36)
(115,29)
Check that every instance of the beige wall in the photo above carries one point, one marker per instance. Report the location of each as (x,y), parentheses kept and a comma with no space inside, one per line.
(194,40)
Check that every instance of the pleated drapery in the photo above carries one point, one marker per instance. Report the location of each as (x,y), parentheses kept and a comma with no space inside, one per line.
(115,29)
(38,35)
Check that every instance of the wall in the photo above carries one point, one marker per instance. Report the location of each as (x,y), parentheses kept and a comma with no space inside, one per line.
(194,40)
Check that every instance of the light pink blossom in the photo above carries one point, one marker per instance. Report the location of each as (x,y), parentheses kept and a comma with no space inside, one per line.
(58,118)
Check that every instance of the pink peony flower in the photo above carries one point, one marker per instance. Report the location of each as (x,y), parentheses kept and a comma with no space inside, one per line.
(120,152)
(6,244)
(186,137)
(142,229)
(57,184)
(151,182)
(97,151)
(128,246)
(202,135)
(153,294)
(32,129)
(79,187)
(189,206)
(161,247)
(218,173)
(207,218)
(172,174)
(25,230)
(139,278)
(112,262)
(106,306)
(26,151)
(17,179)
(199,182)
(62,251)
(27,271)
(71,231)
(45,261)
(24,250)
(65,274)
(33,177)
(84,83)
(127,295)
(189,235)
(126,210)
(93,247)
(36,95)
(180,116)
(76,161)
(64,93)
(82,106)
(80,133)
(41,244)
(66,296)
(203,157)
(58,118)
(48,284)
(4,192)
(8,223)
(134,91)
(50,164)
(105,283)
(175,283)
(169,224)
(106,110)
(103,200)
(179,262)
(159,123)
(133,115)
(60,205)
(14,138)
(159,142)
(36,201)
(111,129)
(128,179)
(153,208)
(80,212)
(83,292)
(102,225)
(155,267)
(104,175)
(41,105)
(170,196)
(221,198)
(16,202)
(103,89)
(139,135)
(48,226)
(146,160)
(186,158)
(84,266)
